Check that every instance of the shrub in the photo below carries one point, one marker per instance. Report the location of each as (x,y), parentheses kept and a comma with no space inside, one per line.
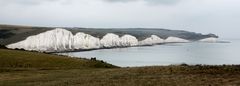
(3,47)
(93,59)
(184,64)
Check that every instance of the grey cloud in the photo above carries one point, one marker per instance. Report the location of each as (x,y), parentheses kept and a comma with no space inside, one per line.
(207,16)
(148,1)
(24,2)
(162,1)
(119,0)
(37,2)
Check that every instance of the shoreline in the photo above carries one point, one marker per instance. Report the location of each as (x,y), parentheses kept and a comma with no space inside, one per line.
(83,50)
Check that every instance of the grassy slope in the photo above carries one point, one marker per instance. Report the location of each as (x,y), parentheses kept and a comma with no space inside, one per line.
(21,68)
(15,33)
(13,59)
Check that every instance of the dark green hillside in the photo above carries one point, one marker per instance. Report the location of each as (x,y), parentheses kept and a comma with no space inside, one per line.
(14,60)
(13,33)
(142,33)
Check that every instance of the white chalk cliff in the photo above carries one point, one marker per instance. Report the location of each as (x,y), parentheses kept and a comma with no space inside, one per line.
(113,40)
(210,39)
(151,40)
(53,40)
(110,40)
(128,40)
(175,40)
(63,40)
(85,41)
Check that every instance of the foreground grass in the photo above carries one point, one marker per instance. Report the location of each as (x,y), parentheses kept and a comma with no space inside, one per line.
(142,76)
(64,72)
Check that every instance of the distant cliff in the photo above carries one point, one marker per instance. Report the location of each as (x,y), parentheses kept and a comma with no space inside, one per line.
(48,39)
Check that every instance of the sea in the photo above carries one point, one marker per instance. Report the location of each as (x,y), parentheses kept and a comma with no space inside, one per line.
(168,54)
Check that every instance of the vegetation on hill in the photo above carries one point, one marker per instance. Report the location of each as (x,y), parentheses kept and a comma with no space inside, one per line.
(15,33)
(24,60)
(3,47)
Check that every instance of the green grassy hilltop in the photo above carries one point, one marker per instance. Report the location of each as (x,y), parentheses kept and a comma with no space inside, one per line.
(23,68)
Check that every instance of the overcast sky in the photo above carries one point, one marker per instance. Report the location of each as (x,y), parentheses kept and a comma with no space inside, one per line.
(221,17)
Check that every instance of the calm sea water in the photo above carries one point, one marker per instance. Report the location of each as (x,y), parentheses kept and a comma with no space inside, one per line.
(177,53)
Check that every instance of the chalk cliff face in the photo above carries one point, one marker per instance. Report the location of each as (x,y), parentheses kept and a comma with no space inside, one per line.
(175,40)
(10,34)
(63,40)
(151,40)
(85,41)
(110,40)
(128,40)
(113,40)
(54,40)
(210,39)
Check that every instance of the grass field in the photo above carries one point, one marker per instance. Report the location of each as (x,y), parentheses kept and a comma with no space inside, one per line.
(11,60)
(22,68)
